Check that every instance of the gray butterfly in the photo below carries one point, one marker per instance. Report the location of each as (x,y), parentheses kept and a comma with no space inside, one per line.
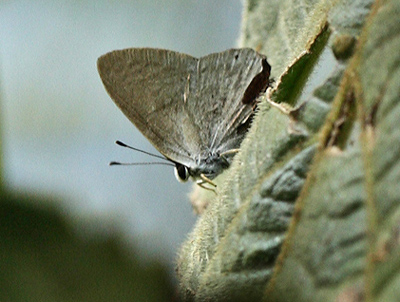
(194,111)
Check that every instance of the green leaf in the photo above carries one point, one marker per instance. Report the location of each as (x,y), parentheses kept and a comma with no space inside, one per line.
(309,210)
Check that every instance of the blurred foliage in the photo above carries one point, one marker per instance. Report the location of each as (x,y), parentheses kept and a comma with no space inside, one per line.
(42,259)
(310,208)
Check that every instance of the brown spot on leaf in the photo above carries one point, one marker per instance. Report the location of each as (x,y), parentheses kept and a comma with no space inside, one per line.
(343,119)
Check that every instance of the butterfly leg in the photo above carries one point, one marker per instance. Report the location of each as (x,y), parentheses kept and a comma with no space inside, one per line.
(284,108)
(205,180)
(229,152)
(293,114)
(223,155)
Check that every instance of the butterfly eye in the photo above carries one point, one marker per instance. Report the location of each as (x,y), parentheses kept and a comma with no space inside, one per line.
(181,173)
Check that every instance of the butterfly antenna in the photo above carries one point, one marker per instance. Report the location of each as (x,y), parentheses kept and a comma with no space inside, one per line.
(116,163)
(138,150)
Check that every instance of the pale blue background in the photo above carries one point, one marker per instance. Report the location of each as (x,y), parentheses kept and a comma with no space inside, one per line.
(59,125)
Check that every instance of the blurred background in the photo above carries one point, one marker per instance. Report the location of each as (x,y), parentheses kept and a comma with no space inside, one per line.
(58,126)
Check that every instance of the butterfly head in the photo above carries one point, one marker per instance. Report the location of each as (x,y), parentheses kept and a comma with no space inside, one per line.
(209,165)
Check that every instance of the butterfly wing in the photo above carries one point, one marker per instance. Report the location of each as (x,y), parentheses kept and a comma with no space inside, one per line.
(183,105)
(225,90)
(148,86)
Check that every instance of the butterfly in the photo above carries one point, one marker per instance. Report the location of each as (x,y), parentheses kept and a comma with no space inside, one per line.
(195,111)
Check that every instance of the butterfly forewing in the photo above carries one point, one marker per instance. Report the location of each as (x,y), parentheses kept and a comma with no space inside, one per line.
(148,86)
